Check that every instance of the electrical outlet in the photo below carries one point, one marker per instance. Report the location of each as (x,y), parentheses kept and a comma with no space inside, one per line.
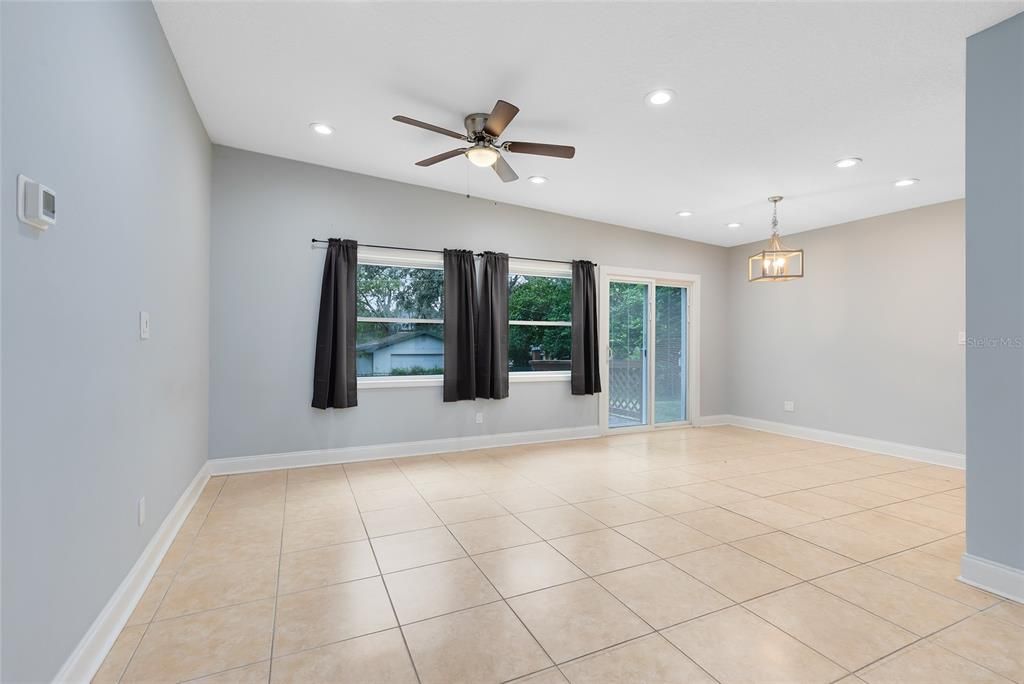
(788,406)
(479,418)
(143,325)
(142,511)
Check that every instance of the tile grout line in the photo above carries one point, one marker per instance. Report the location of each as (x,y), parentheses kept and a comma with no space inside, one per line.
(917,642)
(277,581)
(591,578)
(654,630)
(932,640)
(501,597)
(387,591)
(841,598)
(174,576)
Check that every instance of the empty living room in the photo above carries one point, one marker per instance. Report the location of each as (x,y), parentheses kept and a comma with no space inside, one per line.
(501,341)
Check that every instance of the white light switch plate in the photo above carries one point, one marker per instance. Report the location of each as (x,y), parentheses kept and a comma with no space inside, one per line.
(143,325)
(788,406)
(479,418)
(142,511)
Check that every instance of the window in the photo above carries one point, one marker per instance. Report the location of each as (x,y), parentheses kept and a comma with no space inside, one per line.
(400,315)
(400,311)
(540,322)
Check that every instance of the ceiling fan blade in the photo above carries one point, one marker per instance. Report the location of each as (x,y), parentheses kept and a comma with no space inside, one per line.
(500,117)
(504,171)
(429,127)
(441,157)
(563,151)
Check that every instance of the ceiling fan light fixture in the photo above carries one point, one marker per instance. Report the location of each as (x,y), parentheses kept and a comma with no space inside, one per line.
(485,150)
(482,155)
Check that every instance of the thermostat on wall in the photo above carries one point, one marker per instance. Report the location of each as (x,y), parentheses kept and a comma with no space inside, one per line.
(37,204)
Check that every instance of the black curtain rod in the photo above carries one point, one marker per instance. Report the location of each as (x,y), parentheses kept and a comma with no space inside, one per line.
(439,251)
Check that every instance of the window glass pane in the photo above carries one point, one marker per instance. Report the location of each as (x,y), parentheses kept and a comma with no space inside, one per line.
(627,364)
(385,349)
(670,354)
(539,348)
(399,292)
(539,298)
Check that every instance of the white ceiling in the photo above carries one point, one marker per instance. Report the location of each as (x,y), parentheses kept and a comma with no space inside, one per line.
(768,96)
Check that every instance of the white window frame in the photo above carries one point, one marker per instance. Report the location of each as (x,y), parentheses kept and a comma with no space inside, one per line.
(370,256)
(547,269)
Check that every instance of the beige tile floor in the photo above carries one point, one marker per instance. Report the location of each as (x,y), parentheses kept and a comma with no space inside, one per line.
(699,555)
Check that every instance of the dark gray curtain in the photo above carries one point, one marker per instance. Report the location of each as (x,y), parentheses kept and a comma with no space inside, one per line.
(460,310)
(586,374)
(492,328)
(334,370)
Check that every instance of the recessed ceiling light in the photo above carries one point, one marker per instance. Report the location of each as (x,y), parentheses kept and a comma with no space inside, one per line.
(904,182)
(684,214)
(660,97)
(539,180)
(848,162)
(321,128)
(734,225)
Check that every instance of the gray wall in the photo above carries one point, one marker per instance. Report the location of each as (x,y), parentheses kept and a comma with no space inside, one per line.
(995,293)
(266,285)
(93,417)
(3,195)
(867,342)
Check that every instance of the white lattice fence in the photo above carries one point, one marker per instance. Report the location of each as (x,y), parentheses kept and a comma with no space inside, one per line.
(625,399)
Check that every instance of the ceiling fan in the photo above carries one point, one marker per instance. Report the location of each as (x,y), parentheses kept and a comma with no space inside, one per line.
(482,132)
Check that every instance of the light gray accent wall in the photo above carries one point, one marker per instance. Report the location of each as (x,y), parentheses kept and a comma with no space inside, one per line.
(93,417)
(867,342)
(2,205)
(266,290)
(995,293)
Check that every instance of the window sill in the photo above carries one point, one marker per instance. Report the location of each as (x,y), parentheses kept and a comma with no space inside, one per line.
(399,381)
(438,381)
(538,376)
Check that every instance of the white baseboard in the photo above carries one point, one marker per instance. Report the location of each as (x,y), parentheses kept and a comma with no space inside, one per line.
(992,577)
(710,421)
(916,453)
(87,657)
(372,452)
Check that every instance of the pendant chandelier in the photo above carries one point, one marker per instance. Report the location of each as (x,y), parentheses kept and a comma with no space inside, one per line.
(776,262)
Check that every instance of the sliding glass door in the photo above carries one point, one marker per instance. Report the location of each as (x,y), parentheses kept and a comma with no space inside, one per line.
(647,353)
